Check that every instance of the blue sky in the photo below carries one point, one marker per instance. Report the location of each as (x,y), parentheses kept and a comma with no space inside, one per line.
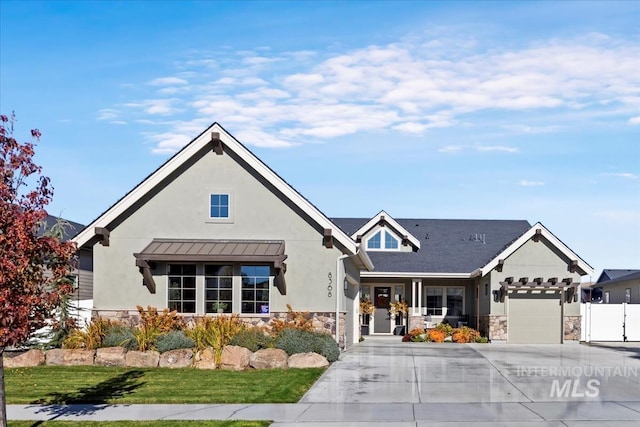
(468,109)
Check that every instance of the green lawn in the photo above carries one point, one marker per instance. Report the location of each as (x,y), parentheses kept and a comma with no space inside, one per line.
(95,384)
(139,423)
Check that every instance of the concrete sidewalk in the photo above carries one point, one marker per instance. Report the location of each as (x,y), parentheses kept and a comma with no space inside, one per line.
(382,381)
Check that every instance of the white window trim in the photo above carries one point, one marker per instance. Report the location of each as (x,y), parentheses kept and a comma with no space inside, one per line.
(444,299)
(236,291)
(228,219)
(383,238)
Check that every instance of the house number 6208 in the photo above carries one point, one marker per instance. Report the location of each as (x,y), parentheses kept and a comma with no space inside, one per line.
(330,287)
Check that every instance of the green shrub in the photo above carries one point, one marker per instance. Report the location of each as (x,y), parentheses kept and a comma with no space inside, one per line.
(120,336)
(482,340)
(254,339)
(294,341)
(173,340)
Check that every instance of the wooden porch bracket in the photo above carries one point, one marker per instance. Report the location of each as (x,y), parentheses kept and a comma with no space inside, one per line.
(573,266)
(104,234)
(217,143)
(327,240)
(536,237)
(147,277)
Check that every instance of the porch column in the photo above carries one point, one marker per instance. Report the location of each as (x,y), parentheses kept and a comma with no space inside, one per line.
(413,297)
(419,282)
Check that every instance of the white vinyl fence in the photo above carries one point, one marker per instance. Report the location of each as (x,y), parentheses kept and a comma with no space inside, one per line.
(610,322)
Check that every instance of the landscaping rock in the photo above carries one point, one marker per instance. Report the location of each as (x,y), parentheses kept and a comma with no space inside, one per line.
(142,359)
(111,356)
(235,358)
(54,357)
(77,357)
(206,359)
(29,358)
(269,358)
(180,358)
(307,360)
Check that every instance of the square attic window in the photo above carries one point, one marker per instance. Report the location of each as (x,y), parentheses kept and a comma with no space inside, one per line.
(219,206)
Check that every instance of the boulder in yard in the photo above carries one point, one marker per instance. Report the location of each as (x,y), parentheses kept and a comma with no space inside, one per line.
(142,359)
(307,360)
(235,358)
(269,358)
(205,359)
(33,357)
(179,358)
(77,357)
(111,356)
(54,357)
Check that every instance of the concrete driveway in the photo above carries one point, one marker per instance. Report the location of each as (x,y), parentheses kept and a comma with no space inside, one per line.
(385,370)
(568,384)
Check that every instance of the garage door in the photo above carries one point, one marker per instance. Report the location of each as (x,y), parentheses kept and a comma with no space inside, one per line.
(535,317)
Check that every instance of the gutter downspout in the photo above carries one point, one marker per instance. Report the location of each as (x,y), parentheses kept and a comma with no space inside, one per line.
(339,288)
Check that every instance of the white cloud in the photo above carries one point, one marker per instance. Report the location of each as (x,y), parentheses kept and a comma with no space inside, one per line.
(415,85)
(450,149)
(162,107)
(620,216)
(168,81)
(626,175)
(108,114)
(497,148)
(526,183)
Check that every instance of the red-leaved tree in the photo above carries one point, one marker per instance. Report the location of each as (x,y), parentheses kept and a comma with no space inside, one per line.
(32,266)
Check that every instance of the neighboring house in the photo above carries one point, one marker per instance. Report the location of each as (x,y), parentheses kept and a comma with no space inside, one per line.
(618,286)
(82,297)
(215,230)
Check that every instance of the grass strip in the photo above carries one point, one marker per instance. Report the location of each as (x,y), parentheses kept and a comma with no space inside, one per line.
(97,384)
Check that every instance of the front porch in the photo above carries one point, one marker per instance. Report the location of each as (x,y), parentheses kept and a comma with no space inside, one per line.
(429,302)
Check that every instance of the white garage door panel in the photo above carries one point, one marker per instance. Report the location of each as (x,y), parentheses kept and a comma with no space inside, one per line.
(534,318)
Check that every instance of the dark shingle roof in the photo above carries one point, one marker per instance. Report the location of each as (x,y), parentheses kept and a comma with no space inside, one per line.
(446,245)
(614,276)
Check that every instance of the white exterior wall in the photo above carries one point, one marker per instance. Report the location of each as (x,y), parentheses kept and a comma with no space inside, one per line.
(181,210)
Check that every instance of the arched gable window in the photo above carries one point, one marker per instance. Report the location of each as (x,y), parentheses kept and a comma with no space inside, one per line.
(382,240)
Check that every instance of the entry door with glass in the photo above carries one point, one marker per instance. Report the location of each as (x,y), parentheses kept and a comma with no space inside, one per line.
(381,300)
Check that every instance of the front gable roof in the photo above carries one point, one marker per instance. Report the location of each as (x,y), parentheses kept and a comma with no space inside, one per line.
(384,218)
(537,231)
(219,143)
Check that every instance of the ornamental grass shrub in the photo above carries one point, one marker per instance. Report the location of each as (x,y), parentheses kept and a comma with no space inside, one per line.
(91,338)
(153,324)
(173,340)
(253,338)
(299,320)
(294,341)
(215,332)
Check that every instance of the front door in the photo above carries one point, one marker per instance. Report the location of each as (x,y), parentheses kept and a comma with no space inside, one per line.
(381,300)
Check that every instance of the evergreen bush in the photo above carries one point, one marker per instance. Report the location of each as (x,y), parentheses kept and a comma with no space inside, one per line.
(254,339)
(120,336)
(294,341)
